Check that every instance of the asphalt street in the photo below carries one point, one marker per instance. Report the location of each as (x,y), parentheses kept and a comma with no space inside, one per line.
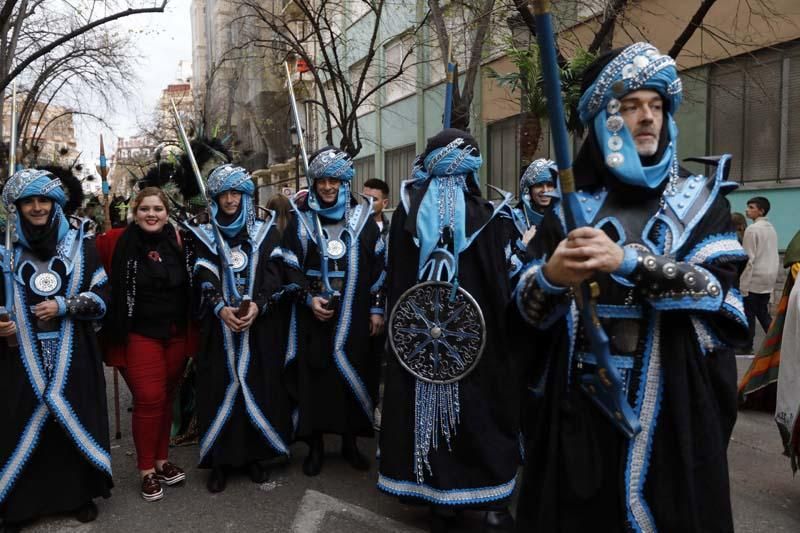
(766,497)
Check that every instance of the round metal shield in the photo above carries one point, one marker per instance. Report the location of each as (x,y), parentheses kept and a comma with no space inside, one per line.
(238,260)
(335,249)
(46,283)
(437,339)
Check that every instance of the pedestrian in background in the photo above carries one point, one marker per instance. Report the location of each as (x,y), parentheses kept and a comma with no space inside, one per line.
(758,279)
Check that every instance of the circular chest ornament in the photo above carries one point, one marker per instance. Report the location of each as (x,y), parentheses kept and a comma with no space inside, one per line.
(46,283)
(437,339)
(335,248)
(238,260)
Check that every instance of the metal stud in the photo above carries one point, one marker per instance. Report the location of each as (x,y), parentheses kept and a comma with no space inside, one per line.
(650,263)
(615,160)
(670,270)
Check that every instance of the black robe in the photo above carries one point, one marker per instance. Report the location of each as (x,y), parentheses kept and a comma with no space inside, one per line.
(581,473)
(252,422)
(482,464)
(54,453)
(334,372)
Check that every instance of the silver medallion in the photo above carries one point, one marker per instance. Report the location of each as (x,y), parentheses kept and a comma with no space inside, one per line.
(437,332)
(615,160)
(238,259)
(612,108)
(615,143)
(615,123)
(335,248)
(641,61)
(46,283)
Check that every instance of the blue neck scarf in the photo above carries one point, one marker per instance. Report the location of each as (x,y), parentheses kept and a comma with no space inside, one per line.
(246,212)
(337,210)
(444,204)
(335,164)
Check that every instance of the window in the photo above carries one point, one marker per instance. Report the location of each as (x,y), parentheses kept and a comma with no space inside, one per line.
(507,150)
(749,118)
(398,169)
(367,104)
(365,170)
(400,56)
(357,9)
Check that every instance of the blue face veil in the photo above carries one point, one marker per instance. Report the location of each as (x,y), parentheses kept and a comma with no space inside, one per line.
(232,178)
(443,205)
(334,164)
(639,66)
(31,182)
(539,171)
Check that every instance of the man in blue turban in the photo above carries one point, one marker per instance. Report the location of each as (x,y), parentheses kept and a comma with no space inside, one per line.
(449,428)
(243,408)
(335,255)
(660,246)
(54,446)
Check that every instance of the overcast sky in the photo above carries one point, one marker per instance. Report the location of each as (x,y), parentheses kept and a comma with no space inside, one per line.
(163,40)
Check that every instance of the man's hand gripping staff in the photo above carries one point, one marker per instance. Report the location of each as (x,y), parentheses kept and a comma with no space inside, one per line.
(586,250)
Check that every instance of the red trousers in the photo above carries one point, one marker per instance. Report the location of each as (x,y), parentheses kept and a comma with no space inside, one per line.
(152,372)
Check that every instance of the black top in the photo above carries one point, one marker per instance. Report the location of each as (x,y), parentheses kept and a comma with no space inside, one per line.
(161,285)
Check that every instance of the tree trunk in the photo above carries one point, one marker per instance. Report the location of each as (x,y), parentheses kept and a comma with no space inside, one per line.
(530,135)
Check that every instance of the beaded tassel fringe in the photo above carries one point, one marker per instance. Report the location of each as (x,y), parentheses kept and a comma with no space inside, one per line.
(436,412)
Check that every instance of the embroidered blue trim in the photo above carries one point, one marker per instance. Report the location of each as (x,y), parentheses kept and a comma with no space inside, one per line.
(446,497)
(619,311)
(208,265)
(62,305)
(719,247)
(614,221)
(648,402)
(707,340)
(343,332)
(734,305)
(376,310)
(23,451)
(621,362)
(629,262)
(287,256)
(218,308)
(545,284)
(226,407)
(291,343)
(54,397)
(99,278)
(378,285)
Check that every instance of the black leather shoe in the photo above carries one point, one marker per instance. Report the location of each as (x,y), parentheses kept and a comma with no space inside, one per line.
(217,480)
(442,519)
(86,512)
(312,465)
(498,521)
(350,452)
(258,473)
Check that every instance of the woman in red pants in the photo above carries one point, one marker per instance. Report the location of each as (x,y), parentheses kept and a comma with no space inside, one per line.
(149,314)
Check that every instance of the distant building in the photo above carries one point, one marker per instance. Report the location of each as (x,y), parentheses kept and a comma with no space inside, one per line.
(48,136)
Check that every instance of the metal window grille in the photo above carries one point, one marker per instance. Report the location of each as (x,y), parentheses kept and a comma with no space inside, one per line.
(398,168)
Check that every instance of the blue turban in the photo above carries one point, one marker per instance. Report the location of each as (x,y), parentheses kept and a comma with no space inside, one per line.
(231,178)
(31,182)
(447,168)
(639,66)
(333,164)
